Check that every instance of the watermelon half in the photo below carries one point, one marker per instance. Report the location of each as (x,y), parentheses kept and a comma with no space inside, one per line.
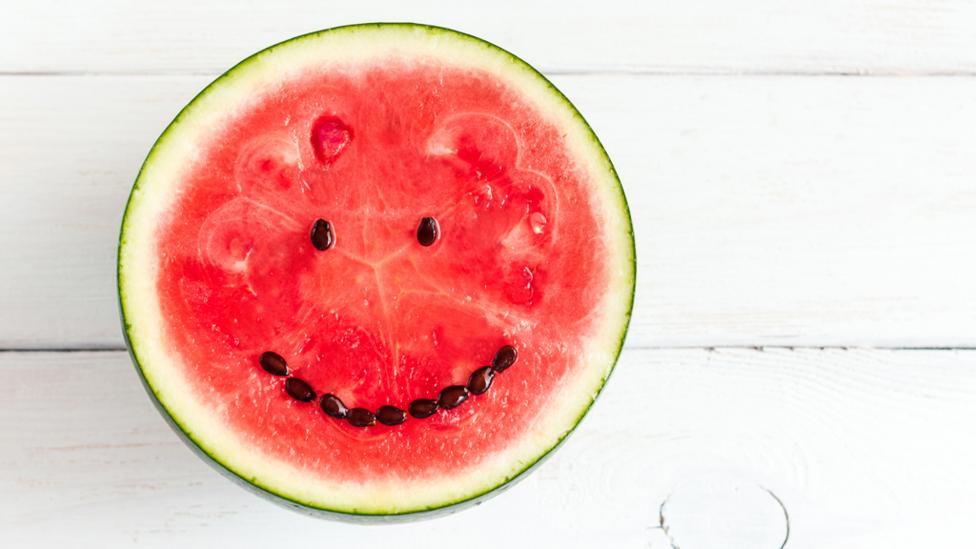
(377,270)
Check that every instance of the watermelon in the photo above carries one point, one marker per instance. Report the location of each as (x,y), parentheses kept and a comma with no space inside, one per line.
(376,271)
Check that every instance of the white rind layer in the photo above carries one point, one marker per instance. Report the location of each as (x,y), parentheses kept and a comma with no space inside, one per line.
(157,187)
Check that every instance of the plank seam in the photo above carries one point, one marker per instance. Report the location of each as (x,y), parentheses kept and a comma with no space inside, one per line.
(868,73)
(706,348)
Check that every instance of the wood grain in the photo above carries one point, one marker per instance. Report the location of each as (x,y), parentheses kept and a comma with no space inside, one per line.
(707,36)
(768,210)
(855,444)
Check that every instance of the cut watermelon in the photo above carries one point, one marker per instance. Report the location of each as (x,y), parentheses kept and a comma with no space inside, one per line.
(377,270)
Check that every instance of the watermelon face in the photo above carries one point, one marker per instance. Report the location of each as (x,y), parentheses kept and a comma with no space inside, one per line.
(376,270)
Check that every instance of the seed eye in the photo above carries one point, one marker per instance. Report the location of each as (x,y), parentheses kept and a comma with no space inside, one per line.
(428,231)
(322,236)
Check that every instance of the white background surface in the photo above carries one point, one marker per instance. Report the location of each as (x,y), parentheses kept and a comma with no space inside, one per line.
(803,182)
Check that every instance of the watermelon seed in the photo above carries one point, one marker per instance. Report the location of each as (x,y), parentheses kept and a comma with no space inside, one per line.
(390,415)
(427,231)
(361,417)
(423,408)
(299,390)
(332,406)
(480,380)
(505,357)
(322,237)
(452,397)
(273,364)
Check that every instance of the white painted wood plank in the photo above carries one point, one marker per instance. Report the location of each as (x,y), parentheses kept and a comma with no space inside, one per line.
(849,36)
(858,446)
(768,210)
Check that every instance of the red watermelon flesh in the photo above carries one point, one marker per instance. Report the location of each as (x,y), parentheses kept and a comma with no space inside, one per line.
(379,319)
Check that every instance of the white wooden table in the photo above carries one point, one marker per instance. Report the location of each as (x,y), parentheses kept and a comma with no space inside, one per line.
(803,353)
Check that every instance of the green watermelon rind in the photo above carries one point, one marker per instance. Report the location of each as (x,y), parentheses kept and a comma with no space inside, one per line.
(351,514)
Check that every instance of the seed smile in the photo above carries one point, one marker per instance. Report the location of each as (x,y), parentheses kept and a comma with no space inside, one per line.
(322,236)
(450,397)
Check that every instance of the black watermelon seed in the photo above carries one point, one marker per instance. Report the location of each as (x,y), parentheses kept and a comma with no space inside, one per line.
(332,406)
(361,417)
(505,357)
(322,237)
(452,397)
(423,408)
(390,415)
(273,364)
(428,231)
(480,380)
(299,390)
